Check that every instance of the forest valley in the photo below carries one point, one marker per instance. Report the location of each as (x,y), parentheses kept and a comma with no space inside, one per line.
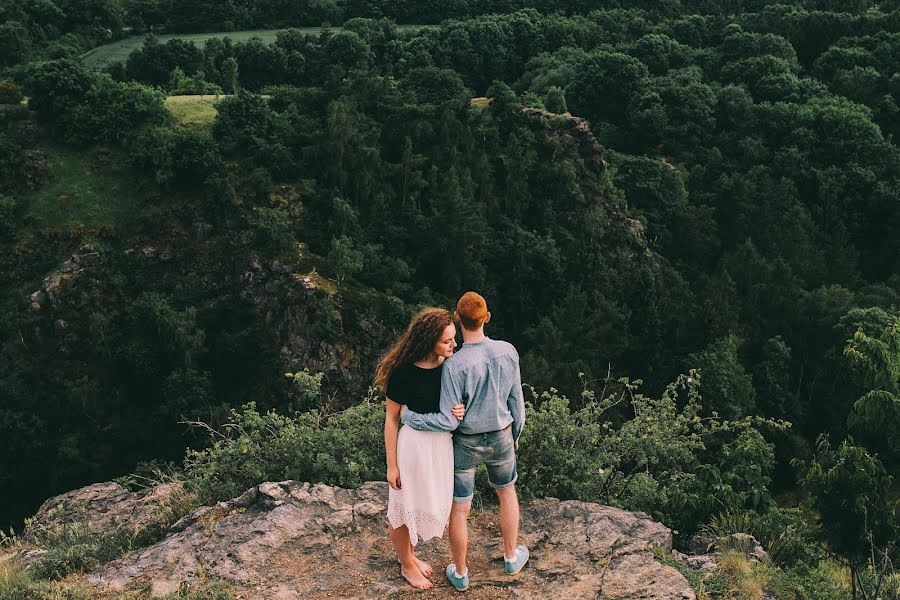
(685,214)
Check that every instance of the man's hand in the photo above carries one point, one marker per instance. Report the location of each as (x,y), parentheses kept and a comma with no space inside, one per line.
(459,411)
(393,477)
(517,445)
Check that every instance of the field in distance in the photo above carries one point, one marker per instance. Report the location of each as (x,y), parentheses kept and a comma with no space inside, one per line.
(100,57)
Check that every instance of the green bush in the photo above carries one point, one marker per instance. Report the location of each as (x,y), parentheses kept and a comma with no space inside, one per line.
(345,449)
(665,460)
(821,581)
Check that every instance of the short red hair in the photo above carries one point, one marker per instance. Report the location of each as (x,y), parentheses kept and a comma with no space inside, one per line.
(471,310)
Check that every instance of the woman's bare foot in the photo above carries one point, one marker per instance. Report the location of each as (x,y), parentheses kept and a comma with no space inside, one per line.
(424,567)
(415,578)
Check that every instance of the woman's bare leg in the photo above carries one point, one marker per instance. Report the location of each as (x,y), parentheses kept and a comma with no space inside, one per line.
(408,566)
(424,567)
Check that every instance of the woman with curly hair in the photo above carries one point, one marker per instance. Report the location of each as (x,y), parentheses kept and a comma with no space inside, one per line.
(419,463)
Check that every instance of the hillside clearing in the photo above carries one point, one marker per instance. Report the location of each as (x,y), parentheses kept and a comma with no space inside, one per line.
(193,111)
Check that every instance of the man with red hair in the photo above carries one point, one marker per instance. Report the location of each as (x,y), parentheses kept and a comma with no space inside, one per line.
(485,376)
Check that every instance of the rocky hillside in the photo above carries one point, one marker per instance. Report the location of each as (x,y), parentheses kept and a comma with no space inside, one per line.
(293,540)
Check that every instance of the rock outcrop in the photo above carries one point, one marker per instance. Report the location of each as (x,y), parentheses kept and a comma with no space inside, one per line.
(293,540)
(106,507)
(706,549)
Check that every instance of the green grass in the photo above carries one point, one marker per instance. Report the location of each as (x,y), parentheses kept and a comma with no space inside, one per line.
(193,111)
(99,58)
(93,189)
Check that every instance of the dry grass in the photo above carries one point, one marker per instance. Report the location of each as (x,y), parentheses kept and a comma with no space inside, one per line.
(15,583)
(747,580)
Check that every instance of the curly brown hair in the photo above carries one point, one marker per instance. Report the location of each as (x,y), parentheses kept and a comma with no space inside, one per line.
(419,339)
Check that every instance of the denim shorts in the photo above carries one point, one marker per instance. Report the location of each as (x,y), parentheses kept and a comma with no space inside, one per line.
(495,449)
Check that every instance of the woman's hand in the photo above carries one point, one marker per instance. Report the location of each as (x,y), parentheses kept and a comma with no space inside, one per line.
(393,477)
(459,411)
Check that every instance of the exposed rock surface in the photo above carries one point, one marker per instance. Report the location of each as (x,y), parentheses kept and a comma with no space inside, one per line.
(293,540)
(705,550)
(57,282)
(105,506)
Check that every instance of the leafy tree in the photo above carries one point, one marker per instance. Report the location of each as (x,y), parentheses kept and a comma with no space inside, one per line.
(555,100)
(259,64)
(83,107)
(435,86)
(850,490)
(347,260)
(244,122)
(177,156)
(877,362)
(15,43)
(230,75)
(55,86)
(605,86)
(348,51)
(727,388)
(772,382)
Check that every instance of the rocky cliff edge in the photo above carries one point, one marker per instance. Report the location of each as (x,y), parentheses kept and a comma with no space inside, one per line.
(293,540)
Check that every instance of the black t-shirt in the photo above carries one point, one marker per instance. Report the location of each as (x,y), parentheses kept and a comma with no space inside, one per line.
(417,388)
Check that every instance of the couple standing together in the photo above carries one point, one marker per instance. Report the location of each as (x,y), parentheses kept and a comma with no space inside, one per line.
(476,395)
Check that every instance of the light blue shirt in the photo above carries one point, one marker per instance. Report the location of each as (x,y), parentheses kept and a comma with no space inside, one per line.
(484,376)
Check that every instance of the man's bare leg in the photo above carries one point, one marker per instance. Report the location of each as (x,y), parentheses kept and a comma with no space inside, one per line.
(408,567)
(459,535)
(509,519)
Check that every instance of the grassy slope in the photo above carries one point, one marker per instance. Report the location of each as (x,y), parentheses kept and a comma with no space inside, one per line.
(83,189)
(99,58)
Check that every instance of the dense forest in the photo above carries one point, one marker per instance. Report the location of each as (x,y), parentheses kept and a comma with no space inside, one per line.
(641,189)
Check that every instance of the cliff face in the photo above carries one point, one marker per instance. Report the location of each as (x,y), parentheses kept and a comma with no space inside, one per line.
(293,540)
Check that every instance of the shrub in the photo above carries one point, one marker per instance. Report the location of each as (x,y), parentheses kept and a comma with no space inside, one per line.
(177,157)
(307,388)
(666,460)
(256,447)
(274,227)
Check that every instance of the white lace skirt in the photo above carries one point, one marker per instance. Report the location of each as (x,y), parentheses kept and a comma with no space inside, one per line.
(425,460)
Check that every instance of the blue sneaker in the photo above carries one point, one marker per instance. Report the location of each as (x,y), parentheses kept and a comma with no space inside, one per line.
(460,583)
(514,566)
